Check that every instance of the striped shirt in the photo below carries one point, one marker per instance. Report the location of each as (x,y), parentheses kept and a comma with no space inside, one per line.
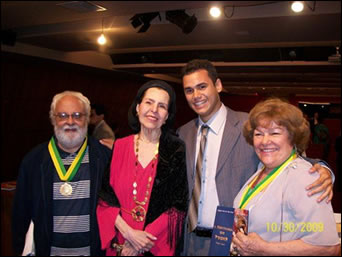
(71,214)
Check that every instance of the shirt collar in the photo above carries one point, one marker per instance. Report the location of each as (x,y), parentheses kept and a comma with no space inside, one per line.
(216,122)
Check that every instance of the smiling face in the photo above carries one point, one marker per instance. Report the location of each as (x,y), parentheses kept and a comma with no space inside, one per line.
(153,109)
(202,93)
(70,132)
(272,145)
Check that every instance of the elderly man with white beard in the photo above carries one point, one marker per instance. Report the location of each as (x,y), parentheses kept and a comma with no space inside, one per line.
(54,209)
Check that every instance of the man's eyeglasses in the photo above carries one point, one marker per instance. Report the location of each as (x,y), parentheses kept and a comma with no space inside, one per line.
(74,115)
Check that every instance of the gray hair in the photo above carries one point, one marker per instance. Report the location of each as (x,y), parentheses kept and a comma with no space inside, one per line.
(80,96)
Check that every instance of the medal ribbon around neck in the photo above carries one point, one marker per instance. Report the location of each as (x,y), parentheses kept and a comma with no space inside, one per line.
(250,193)
(57,161)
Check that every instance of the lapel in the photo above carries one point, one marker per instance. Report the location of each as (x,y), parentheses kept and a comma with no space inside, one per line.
(231,134)
(190,141)
(47,170)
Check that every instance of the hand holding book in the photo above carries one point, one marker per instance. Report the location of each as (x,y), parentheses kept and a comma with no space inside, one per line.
(228,221)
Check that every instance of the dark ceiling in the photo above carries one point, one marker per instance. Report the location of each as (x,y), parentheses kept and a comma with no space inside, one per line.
(257,46)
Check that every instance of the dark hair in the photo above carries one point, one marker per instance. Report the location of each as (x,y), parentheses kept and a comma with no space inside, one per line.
(133,120)
(99,109)
(199,64)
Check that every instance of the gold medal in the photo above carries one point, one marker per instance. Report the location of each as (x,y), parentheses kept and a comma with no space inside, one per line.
(66,189)
(139,213)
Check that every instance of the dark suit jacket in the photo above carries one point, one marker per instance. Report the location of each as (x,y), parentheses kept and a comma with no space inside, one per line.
(34,193)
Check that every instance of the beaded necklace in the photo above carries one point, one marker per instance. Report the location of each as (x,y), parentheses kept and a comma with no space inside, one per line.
(139,212)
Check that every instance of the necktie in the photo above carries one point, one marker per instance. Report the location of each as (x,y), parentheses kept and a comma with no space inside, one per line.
(193,208)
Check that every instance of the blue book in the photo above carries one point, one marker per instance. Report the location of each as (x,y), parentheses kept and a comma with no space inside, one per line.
(227,221)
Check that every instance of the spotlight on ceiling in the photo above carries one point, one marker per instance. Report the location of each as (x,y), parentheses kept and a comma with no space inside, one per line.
(181,19)
(297,6)
(145,19)
(215,11)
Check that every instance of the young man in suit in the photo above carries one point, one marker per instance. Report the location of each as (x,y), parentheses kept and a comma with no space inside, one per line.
(227,161)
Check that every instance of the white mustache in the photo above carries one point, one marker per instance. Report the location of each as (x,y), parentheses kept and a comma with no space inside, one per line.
(66,126)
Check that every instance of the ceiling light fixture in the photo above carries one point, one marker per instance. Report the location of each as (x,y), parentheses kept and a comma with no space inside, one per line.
(181,19)
(297,6)
(102,39)
(145,19)
(215,11)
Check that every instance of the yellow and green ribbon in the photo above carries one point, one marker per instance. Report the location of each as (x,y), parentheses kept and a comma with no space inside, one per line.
(57,161)
(250,193)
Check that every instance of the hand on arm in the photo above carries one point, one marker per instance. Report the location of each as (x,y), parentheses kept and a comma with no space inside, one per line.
(140,240)
(322,184)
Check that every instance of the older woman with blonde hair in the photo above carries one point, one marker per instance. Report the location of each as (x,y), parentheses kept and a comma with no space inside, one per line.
(282,219)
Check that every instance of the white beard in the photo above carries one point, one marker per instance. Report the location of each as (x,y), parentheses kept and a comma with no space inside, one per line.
(70,139)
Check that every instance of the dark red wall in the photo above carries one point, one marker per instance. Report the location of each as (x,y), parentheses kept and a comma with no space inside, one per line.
(29,83)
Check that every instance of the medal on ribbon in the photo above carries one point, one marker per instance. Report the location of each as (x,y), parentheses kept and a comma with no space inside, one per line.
(250,192)
(66,188)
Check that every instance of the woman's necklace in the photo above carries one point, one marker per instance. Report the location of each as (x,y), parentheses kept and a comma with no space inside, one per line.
(139,212)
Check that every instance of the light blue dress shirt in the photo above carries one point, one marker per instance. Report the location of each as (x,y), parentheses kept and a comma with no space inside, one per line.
(209,198)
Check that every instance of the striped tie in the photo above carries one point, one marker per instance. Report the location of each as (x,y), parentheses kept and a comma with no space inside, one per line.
(193,209)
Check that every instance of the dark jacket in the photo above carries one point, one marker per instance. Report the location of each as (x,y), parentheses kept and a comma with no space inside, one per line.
(33,198)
